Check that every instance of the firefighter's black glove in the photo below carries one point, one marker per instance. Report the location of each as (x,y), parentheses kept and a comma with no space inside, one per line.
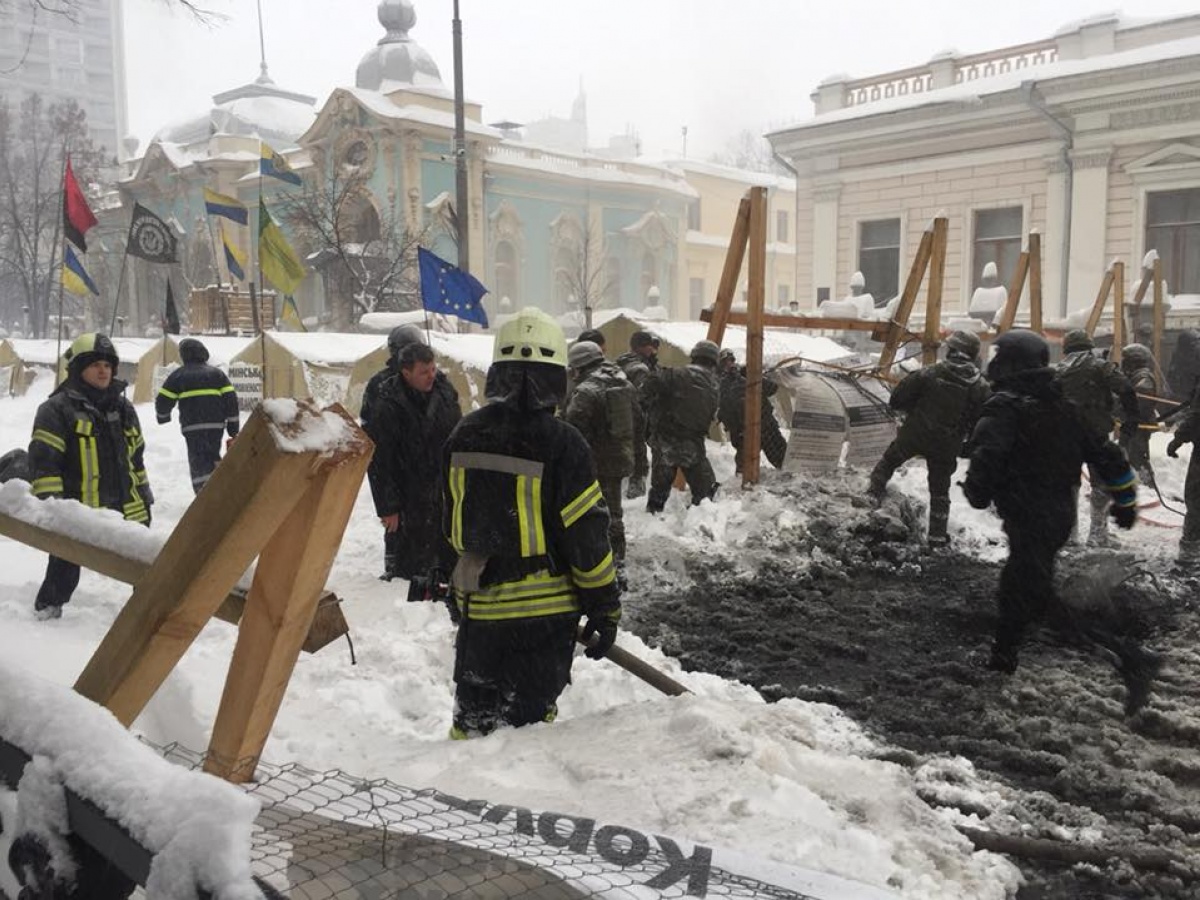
(1124,516)
(604,627)
(1173,447)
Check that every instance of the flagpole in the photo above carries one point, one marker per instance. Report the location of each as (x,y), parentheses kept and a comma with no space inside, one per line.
(61,230)
(217,266)
(120,284)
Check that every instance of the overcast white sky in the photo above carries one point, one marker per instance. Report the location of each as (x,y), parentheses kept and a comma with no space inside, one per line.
(653,66)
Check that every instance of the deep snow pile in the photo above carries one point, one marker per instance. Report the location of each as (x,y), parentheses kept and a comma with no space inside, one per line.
(837,602)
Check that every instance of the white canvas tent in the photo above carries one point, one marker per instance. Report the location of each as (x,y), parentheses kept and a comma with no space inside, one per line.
(14,378)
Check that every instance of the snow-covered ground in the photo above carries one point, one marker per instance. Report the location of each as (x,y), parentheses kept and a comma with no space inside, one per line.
(789,782)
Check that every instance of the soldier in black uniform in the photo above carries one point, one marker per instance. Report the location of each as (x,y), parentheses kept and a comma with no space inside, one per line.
(413,414)
(940,404)
(1026,454)
(682,404)
(601,407)
(731,411)
(87,445)
(398,338)
(640,361)
(208,408)
(1092,384)
(526,516)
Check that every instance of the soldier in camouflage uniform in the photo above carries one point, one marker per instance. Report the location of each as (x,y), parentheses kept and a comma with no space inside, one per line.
(940,404)
(682,404)
(640,361)
(731,412)
(602,408)
(1139,366)
(1188,432)
(1091,383)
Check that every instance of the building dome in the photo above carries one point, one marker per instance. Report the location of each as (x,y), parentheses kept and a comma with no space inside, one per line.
(397,59)
(259,109)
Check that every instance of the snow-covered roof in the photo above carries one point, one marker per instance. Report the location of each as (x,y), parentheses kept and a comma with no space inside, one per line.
(326,347)
(778,344)
(381,105)
(967,92)
(259,109)
(716,170)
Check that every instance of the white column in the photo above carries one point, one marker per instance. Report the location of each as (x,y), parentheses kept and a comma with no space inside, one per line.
(1089,223)
(1054,302)
(824,241)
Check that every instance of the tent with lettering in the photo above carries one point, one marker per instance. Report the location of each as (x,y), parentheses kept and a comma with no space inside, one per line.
(152,368)
(463,357)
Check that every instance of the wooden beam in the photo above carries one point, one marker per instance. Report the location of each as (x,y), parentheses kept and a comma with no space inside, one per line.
(752,436)
(283,598)
(249,495)
(1035,281)
(1135,314)
(730,274)
(1009,314)
(1118,336)
(329,624)
(899,324)
(1160,314)
(933,296)
(1098,306)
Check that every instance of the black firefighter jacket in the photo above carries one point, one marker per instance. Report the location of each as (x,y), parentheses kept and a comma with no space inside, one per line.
(207,401)
(87,445)
(523,501)
(1027,452)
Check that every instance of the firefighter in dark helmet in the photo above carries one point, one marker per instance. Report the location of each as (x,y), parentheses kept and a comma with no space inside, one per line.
(87,445)
(208,408)
(526,516)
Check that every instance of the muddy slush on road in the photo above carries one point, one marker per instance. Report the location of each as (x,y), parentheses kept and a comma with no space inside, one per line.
(847,608)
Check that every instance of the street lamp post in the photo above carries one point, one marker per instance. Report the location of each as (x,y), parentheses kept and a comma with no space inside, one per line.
(462,212)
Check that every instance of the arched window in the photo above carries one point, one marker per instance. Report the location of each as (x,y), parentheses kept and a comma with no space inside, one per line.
(506,271)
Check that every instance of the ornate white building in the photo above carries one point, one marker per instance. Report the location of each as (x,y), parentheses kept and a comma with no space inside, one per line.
(1091,137)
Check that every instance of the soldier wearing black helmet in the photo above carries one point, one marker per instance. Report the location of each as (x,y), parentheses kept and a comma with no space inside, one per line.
(208,408)
(682,404)
(1139,366)
(940,404)
(1095,385)
(1026,454)
(87,445)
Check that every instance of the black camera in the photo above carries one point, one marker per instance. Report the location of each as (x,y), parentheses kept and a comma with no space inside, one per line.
(435,586)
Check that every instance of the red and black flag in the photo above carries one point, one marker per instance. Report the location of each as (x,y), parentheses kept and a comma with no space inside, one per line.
(77,216)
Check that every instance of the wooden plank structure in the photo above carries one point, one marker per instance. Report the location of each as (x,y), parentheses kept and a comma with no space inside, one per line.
(933,298)
(272,498)
(328,623)
(898,327)
(223,310)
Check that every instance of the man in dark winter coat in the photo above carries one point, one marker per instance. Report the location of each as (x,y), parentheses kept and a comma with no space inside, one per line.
(640,361)
(1026,455)
(525,514)
(1139,366)
(1092,384)
(208,408)
(682,404)
(731,411)
(399,338)
(940,404)
(87,445)
(602,408)
(1188,432)
(411,418)
(1184,375)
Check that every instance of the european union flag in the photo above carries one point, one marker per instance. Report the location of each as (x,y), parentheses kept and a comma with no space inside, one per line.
(449,290)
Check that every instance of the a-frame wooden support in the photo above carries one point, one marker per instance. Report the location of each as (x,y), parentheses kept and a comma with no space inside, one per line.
(283,494)
(897,329)
(749,232)
(1029,270)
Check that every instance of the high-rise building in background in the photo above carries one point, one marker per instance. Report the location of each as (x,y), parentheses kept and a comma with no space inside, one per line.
(77,54)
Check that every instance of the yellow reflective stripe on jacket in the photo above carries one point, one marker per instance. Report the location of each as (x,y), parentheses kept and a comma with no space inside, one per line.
(600,576)
(529,516)
(50,439)
(170,395)
(581,504)
(89,471)
(50,484)
(458,484)
(135,508)
(200,392)
(539,594)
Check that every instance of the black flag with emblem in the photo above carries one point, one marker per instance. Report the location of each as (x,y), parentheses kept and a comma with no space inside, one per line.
(150,238)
